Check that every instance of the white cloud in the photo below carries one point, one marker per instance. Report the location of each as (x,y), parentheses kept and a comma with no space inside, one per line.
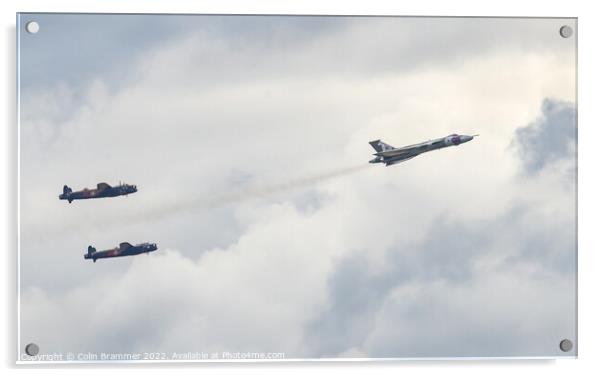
(207,123)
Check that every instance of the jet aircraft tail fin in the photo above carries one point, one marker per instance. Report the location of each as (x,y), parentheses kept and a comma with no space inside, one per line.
(66,189)
(381,146)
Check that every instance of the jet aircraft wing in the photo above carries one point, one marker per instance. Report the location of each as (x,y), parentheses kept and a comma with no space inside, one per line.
(413,150)
(394,161)
(400,152)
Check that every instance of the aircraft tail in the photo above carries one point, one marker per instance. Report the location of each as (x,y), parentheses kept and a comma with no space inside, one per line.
(66,189)
(380,146)
(91,250)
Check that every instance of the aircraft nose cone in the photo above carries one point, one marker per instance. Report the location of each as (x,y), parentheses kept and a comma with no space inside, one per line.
(465,138)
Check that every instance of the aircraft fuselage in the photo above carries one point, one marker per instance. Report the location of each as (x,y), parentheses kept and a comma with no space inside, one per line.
(389,155)
(102,190)
(124,249)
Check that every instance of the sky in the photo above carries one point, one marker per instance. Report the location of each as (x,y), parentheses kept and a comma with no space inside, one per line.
(247,137)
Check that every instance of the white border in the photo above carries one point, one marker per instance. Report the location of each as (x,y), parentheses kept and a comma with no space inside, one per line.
(17,94)
(589,188)
(21,346)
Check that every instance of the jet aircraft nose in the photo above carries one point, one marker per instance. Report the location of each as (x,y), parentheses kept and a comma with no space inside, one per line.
(466,138)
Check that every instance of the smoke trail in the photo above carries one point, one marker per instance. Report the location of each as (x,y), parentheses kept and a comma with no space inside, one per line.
(251,192)
(256,191)
(259,191)
(191,203)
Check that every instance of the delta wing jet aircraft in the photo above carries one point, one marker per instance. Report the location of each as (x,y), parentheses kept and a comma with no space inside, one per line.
(124,249)
(389,155)
(102,190)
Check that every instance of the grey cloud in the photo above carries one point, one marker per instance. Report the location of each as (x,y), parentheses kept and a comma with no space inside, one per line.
(550,138)
(448,256)
(259,272)
(110,46)
(89,46)
(499,316)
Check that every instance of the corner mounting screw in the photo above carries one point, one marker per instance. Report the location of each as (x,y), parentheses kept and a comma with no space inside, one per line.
(566,31)
(566,345)
(32,349)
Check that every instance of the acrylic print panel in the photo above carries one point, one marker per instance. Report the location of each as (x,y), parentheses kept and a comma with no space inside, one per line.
(211,187)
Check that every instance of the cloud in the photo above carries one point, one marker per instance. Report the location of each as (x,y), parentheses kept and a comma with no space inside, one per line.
(550,138)
(388,308)
(275,234)
(239,299)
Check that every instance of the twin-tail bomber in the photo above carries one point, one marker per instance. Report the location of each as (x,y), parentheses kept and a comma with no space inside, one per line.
(102,190)
(124,249)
